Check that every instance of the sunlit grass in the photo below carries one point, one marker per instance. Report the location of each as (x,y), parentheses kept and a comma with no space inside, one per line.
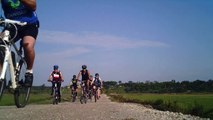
(196,104)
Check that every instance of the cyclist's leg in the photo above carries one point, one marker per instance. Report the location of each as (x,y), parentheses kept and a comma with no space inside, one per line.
(87,83)
(72,88)
(75,89)
(29,34)
(98,92)
(82,89)
(85,86)
(28,44)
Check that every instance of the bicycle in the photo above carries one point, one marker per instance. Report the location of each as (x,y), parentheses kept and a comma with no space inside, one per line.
(11,57)
(55,97)
(73,93)
(90,94)
(83,98)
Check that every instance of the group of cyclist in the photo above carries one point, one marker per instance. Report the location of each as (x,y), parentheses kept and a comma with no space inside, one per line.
(87,81)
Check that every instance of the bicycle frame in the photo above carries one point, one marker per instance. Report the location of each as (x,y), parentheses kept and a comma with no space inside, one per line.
(7,44)
(8,59)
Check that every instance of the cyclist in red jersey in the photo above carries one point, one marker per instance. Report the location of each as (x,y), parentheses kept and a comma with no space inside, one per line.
(57,77)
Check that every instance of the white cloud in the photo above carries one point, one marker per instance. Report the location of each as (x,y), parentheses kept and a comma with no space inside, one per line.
(97,40)
(64,54)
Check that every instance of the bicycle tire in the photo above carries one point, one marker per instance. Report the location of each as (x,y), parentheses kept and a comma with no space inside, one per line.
(95,95)
(2,81)
(2,87)
(81,99)
(73,96)
(22,92)
(85,98)
(55,96)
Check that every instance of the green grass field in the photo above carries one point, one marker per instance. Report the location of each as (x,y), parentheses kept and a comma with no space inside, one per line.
(183,100)
(196,104)
(41,97)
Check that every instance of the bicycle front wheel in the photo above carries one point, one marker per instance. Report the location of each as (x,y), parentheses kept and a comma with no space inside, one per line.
(2,81)
(2,86)
(22,92)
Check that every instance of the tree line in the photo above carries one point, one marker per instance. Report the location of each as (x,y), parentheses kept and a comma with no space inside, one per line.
(162,87)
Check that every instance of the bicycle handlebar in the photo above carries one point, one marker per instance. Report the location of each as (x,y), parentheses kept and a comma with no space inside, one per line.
(2,20)
(56,81)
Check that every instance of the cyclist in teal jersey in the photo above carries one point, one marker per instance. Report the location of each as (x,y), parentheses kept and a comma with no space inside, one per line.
(24,11)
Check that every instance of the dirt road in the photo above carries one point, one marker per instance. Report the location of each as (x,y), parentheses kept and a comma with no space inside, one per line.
(104,109)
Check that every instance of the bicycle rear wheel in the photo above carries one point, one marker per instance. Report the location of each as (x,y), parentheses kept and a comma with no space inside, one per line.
(22,92)
(74,96)
(95,96)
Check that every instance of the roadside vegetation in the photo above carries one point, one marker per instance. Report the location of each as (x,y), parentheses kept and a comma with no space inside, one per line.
(39,95)
(193,98)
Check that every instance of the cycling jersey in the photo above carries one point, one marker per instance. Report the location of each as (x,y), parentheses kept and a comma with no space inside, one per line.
(16,10)
(97,82)
(85,75)
(74,81)
(56,76)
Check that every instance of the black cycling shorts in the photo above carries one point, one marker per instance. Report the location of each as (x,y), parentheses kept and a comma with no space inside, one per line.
(27,30)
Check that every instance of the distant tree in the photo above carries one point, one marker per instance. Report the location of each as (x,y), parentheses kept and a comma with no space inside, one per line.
(119,82)
(108,84)
(130,82)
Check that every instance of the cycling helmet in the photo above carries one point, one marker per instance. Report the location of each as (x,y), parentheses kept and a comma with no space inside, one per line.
(74,76)
(96,74)
(84,67)
(55,67)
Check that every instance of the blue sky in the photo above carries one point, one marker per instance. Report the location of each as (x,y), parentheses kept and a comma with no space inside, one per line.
(123,40)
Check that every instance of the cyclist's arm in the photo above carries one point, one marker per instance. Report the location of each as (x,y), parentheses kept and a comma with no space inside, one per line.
(70,83)
(31,4)
(101,82)
(62,78)
(79,74)
(88,72)
(50,77)
(93,79)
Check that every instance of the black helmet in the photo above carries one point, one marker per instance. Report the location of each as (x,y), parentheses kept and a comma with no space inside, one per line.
(84,67)
(55,67)
(96,74)
(74,76)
